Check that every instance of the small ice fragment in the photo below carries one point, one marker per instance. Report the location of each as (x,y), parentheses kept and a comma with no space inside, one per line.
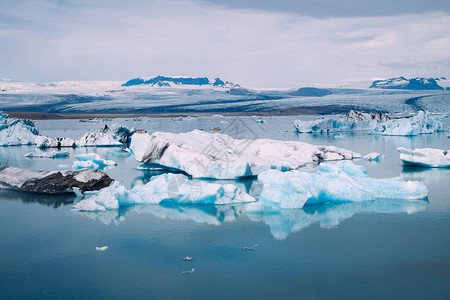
(103,248)
(187,258)
(374,156)
(188,272)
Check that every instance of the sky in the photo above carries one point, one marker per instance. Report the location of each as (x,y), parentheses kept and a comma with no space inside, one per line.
(256,43)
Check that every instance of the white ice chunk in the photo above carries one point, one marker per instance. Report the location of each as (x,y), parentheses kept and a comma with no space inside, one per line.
(216,155)
(425,157)
(103,248)
(374,156)
(170,187)
(47,154)
(91,161)
(342,182)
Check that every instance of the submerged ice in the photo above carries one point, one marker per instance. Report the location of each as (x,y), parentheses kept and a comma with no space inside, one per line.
(201,154)
(166,188)
(341,182)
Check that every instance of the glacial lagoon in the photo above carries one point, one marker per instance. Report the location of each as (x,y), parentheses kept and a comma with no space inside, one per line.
(379,249)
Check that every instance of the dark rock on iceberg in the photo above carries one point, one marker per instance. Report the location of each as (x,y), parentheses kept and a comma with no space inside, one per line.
(53,182)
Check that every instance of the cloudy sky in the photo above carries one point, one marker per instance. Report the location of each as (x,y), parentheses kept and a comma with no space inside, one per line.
(256,43)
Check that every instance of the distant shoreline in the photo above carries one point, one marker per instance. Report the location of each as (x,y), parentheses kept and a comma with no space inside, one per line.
(313,110)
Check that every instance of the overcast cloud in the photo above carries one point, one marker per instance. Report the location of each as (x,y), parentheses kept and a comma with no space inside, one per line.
(256,45)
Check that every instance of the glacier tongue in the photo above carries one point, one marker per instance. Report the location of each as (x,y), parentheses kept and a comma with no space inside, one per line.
(207,155)
(342,182)
(426,157)
(169,187)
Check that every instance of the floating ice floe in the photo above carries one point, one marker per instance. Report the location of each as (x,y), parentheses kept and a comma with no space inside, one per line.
(112,135)
(341,182)
(425,157)
(47,154)
(103,248)
(166,188)
(53,182)
(374,156)
(353,120)
(202,154)
(16,132)
(47,142)
(421,123)
(91,161)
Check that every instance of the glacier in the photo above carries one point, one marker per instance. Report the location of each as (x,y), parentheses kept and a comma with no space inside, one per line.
(425,157)
(340,182)
(91,161)
(215,155)
(163,189)
(16,132)
(421,123)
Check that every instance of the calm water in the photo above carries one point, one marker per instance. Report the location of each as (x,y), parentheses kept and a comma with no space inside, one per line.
(374,250)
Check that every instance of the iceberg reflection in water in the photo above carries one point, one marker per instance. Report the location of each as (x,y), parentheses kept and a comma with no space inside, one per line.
(281,222)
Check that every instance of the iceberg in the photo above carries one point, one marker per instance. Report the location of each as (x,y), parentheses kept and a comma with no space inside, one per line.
(112,135)
(425,157)
(353,120)
(16,132)
(47,154)
(47,142)
(91,161)
(53,182)
(421,123)
(165,189)
(374,156)
(341,182)
(215,155)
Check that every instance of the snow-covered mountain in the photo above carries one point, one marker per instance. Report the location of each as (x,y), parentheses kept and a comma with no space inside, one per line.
(165,81)
(418,83)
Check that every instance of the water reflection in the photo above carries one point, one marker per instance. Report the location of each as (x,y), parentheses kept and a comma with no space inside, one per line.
(425,175)
(47,200)
(281,222)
